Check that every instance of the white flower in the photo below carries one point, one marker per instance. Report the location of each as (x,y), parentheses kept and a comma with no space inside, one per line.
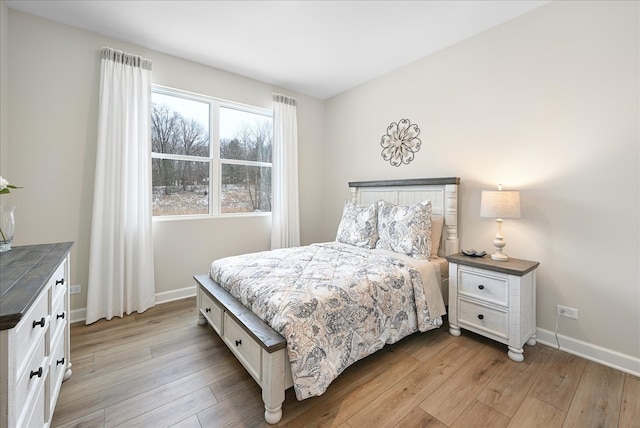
(5,187)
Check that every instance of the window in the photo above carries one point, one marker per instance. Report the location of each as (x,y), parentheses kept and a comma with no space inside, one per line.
(209,157)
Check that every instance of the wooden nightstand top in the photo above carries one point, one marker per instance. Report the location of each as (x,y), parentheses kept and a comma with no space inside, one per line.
(512,266)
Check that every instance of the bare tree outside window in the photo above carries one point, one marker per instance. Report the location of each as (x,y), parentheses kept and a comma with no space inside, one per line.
(184,167)
(246,146)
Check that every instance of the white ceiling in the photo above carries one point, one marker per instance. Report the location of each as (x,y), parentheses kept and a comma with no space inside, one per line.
(317,48)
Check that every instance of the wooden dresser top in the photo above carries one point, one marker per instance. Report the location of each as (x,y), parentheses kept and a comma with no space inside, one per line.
(24,272)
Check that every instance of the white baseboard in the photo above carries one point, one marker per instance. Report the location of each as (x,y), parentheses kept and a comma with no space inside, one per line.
(78,315)
(619,361)
(170,296)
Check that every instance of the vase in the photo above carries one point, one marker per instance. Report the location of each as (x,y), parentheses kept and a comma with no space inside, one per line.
(7,227)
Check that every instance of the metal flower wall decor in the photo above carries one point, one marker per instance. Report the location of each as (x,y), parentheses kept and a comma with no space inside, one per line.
(401,142)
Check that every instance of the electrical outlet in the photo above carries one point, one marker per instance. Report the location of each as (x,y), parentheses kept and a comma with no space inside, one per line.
(568,312)
(75,289)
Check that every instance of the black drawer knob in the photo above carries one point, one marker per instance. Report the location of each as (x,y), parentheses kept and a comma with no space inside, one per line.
(207,310)
(238,342)
(60,361)
(36,373)
(60,281)
(60,316)
(40,323)
(480,316)
(481,287)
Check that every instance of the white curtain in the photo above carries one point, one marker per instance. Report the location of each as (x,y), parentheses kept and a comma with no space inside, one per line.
(121,276)
(285,227)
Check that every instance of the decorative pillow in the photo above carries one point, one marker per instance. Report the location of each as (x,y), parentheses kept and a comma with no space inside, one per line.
(405,229)
(359,225)
(437,223)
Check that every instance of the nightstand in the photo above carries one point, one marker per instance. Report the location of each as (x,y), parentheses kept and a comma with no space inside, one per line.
(494,299)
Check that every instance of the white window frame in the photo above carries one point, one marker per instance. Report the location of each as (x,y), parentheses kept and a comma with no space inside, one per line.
(214,159)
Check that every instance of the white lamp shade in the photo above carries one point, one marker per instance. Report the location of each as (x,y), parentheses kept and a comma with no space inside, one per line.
(500,204)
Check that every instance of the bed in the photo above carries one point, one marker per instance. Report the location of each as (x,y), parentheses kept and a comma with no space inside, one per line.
(347,298)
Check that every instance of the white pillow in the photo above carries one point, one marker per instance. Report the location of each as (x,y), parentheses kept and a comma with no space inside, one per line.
(405,229)
(359,225)
(437,224)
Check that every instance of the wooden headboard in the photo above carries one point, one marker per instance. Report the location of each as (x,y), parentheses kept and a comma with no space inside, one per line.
(443,193)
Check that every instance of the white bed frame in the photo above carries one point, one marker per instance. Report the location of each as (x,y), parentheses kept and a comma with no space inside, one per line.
(260,349)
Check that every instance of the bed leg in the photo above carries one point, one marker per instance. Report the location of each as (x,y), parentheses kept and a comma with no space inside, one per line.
(273,385)
(272,416)
(201,319)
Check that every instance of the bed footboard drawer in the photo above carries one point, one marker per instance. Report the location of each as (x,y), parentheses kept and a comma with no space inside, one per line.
(245,348)
(211,311)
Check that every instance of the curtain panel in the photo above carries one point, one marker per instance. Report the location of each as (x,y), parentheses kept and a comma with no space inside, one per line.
(121,276)
(285,227)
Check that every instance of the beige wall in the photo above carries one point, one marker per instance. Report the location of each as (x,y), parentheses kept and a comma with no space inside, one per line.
(54,79)
(546,104)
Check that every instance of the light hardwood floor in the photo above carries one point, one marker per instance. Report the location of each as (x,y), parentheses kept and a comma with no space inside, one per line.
(160,369)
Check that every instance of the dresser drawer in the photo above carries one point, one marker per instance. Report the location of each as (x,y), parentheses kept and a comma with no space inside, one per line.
(490,320)
(31,378)
(35,416)
(58,281)
(57,367)
(31,329)
(245,348)
(483,285)
(211,311)
(58,320)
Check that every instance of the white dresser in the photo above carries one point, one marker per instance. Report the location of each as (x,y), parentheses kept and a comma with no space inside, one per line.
(34,332)
(495,299)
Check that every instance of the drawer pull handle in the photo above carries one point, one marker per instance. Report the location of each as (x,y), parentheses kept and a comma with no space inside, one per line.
(38,373)
(40,323)
(480,316)
(59,281)
(60,316)
(238,342)
(207,310)
(481,287)
(61,361)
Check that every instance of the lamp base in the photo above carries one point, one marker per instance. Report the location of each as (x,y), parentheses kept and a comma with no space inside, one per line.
(499,243)
(499,257)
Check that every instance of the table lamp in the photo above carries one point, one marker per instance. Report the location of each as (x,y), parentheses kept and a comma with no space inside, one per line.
(500,204)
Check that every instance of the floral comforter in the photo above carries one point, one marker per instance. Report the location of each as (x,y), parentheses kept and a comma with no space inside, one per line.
(333,303)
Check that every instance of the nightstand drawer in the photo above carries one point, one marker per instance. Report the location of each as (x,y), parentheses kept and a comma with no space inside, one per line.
(483,285)
(491,320)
